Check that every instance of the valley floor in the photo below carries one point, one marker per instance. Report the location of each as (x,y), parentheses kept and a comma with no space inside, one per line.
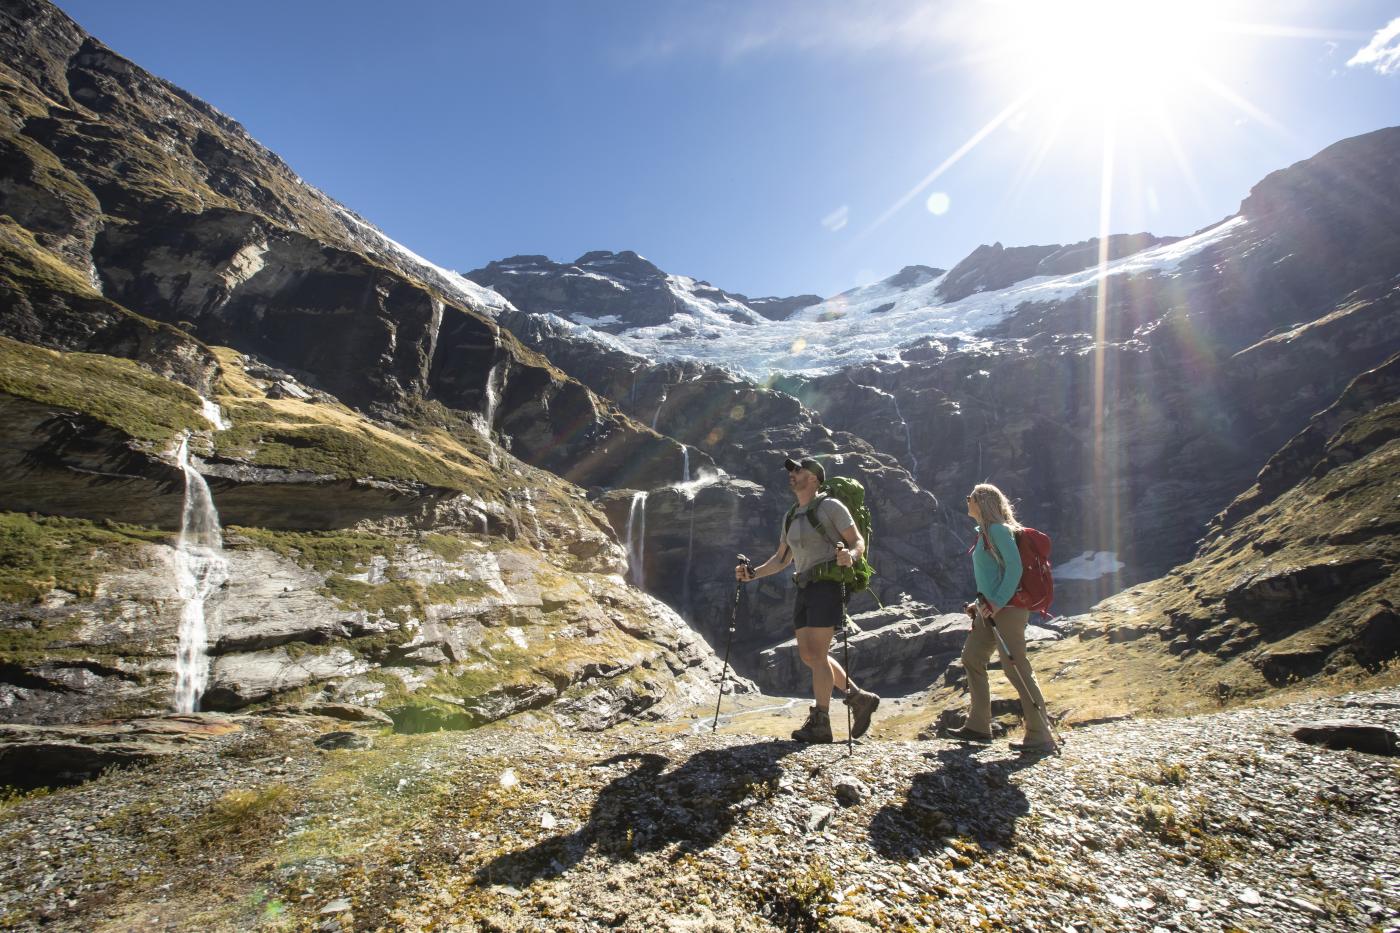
(1214,822)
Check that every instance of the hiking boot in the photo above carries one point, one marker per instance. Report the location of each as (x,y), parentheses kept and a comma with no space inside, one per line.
(817,728)
(1035,748)
(863,705)
(964,734)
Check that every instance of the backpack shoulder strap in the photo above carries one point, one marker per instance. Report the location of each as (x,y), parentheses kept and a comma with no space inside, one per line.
(817,523)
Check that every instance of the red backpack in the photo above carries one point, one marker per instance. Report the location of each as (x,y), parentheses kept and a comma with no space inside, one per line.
(1037,588)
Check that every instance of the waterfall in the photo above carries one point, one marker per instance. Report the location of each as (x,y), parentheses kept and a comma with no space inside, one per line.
(685,464)
(908,439)
(636,546)
(200,569)
(657,417)
(495,388)
(688,611)
(214,414)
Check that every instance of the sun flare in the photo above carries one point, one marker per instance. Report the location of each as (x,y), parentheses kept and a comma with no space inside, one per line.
(1110,54)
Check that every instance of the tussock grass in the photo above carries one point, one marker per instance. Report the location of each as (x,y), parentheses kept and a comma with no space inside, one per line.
(116,392)
(246,812)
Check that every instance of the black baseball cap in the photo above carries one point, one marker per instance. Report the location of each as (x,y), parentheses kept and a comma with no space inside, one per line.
(808,464)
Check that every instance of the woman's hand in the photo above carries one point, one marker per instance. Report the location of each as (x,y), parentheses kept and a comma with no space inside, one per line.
(743,573)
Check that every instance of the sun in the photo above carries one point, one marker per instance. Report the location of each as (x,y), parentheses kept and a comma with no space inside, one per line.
(1114,57)
(1104,76)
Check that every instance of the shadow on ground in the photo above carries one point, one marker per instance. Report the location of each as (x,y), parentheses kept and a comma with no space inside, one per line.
(647,808)
(963,798)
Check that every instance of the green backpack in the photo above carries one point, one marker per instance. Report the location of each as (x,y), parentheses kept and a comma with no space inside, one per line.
(851,494)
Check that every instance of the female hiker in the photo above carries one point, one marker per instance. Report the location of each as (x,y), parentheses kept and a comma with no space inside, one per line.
(996,564)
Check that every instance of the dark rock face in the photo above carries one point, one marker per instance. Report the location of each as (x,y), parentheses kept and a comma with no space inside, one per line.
(1308,450)
(1300,583)
(1080,256)
(644,300)
(988,268)
(780,309)
(911,276)
(614,292)
(280,296)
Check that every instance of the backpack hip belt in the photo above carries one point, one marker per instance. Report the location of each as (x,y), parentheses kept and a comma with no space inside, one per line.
(827,571)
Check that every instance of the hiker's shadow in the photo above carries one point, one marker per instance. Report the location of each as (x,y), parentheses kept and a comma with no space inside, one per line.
(647,808)
(962,798)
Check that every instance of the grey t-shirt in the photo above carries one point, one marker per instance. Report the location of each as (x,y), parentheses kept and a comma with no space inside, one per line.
(808,546)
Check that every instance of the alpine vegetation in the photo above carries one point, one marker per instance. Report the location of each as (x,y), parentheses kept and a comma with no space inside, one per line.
(340,589)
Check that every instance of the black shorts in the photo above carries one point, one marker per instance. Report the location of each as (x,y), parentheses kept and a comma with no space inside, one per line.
(819,606)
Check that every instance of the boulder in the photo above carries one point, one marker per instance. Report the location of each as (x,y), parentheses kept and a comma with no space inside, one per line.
(52,756)
(334,741)
(1350,734)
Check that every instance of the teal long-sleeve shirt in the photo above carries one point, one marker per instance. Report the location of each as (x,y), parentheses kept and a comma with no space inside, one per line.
(994,582)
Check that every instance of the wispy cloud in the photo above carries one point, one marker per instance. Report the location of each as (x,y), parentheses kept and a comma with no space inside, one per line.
(837,219)
(733,32)
(1383,51)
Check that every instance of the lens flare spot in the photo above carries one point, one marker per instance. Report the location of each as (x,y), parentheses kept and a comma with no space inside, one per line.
(798,346)
(737,413)
(714,437)
(938,203)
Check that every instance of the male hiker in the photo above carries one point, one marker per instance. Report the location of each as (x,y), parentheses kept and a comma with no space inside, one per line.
(820,606)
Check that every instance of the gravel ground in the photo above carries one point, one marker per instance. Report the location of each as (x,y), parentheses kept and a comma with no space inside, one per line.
(1219,822)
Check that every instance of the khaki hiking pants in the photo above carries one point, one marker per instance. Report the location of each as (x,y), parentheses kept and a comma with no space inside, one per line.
(981,642)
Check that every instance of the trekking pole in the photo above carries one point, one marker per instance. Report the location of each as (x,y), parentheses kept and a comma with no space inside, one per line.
(729,641)
(846,655)
(1025,687)
(846,651)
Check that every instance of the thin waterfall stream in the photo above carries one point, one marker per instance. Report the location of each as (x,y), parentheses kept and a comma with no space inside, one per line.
(200,570)
(636,540)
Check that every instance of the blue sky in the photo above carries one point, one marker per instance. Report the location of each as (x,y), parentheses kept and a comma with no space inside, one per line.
(773,146)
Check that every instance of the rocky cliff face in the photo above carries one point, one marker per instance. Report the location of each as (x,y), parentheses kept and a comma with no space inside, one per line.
(1298,576)
(988,268)
(389,542)
(616,291)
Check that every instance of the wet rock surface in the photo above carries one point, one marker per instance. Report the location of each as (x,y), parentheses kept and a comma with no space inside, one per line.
(1215,822)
